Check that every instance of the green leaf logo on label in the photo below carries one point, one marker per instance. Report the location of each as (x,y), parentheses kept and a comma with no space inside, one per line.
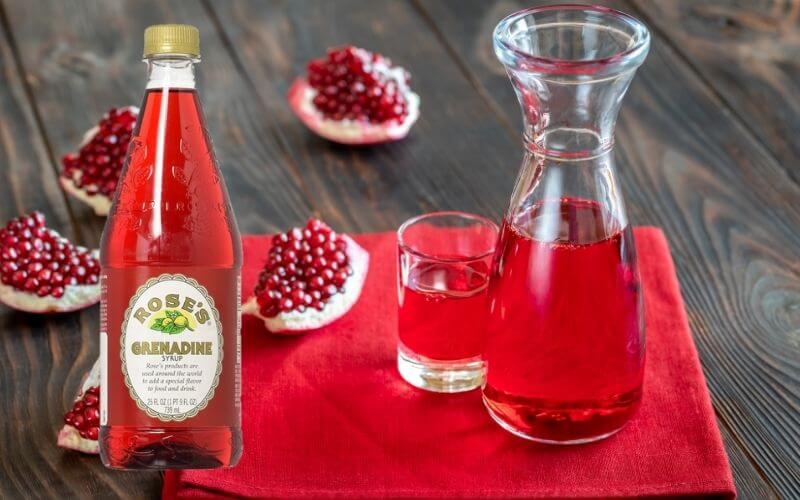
(172,322)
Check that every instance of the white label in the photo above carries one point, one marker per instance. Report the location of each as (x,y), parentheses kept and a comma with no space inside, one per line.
(103,378)
(171,347)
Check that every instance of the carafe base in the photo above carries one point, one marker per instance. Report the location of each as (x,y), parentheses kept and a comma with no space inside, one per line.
(562,424)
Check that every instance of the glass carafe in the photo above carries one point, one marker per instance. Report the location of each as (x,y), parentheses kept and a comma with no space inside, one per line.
(565,342)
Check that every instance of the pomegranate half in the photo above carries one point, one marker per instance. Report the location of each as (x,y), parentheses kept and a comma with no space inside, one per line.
(312,277)
(82,422)
(353,96)
(91,175)
(43,272)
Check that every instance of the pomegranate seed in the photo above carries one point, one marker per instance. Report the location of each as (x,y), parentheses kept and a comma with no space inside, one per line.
(85,414)
(299,270)
(355,84)
(91,415)
(30,266)
(96,167)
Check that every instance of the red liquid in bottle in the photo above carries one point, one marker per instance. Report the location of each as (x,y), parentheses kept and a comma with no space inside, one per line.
(171,250)
(443,310)
(565,343)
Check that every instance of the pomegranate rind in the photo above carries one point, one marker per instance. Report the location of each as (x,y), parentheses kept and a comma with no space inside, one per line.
(294,322)
(350,132)
(75,297)
(68,436)
(100,203)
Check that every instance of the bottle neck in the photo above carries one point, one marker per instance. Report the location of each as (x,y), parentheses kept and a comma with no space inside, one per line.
(170,72)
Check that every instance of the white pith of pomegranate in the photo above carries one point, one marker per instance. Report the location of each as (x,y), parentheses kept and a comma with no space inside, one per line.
(41,271)
(312,277)
(92,174)
(82,421)
(353,96)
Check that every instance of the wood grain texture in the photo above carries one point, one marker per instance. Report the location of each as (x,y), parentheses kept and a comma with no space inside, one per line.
(730,213)
(749,52)
(42,358)
(723,188)
(76,69)
(89,61)
(456,156)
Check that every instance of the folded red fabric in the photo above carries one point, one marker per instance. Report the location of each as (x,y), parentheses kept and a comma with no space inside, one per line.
(326,414)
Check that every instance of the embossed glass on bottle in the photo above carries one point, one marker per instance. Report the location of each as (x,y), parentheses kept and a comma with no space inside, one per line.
(171,261)
(565,344)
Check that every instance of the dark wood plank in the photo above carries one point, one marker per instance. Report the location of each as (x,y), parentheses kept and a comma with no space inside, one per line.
(77,68)
(749,53)
(456,156)
(89,61)
(42,359)
(731,215)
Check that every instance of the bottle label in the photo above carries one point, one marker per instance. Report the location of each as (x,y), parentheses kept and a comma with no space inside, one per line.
(171,347)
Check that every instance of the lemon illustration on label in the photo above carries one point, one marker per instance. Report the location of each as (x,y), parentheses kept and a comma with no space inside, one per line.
(172,322)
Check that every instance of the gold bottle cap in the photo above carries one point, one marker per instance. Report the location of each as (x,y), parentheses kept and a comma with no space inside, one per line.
(171,39)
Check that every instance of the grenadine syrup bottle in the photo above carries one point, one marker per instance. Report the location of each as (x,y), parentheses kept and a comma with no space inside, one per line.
(171,260)
(565,347)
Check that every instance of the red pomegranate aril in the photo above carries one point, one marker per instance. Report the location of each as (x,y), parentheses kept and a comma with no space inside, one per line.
(340,278)
(31,284)
(84,417)
(320,264)
(97,165)
(31,266)
(19,277)
(308,269)
(78,421)
(91,399)
(355,84)
(339,257)
(316,282)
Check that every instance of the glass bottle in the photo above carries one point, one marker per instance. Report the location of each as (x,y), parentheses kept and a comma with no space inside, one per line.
(565,339)
(171,263)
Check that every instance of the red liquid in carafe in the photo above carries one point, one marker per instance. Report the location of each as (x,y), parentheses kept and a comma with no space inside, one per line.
(171,218)
(442,312)
(565,339)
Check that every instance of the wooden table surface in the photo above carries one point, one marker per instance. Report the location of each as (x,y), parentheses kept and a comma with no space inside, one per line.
(707,149)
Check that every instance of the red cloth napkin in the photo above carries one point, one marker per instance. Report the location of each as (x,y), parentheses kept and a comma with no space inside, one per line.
(326,414)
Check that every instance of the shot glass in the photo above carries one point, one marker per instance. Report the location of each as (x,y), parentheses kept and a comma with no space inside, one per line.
(443,272)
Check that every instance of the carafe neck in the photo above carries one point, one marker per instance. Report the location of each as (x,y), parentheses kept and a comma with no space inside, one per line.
(570,66)
(569,118)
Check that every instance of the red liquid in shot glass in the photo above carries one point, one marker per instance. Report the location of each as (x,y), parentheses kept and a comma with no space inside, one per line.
(442,312)
(565,341)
